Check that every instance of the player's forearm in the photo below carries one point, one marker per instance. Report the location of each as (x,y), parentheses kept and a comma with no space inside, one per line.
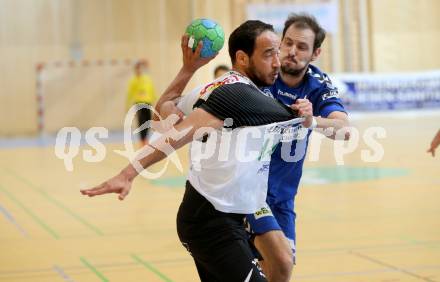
(180,135)
(176,87)
(332,126)
(159,150)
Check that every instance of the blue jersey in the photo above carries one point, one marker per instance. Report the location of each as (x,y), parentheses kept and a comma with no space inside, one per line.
(284,176)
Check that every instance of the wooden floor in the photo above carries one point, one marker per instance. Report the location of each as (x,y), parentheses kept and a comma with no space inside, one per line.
(358,222)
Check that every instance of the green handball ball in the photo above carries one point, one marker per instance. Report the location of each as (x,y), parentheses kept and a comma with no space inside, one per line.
(210,32)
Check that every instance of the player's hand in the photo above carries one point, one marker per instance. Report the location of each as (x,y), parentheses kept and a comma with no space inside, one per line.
(434,144)
(432,148)
(192,60)
(432,151)
(305,109)
(120,184)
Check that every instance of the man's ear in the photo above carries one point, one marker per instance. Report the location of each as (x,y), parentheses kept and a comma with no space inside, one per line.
(241,58)
(316,53)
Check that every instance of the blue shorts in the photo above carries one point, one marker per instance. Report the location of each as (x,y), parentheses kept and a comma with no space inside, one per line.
(278,216)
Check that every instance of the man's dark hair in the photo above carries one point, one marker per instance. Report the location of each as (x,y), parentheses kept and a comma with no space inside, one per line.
(243,37)
(304,21)
(221,68)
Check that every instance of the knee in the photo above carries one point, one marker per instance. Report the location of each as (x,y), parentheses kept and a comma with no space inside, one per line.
(283,266)
(278,268)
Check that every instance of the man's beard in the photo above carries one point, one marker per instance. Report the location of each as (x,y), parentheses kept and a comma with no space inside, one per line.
(293,72)
(255,79)
(253,76)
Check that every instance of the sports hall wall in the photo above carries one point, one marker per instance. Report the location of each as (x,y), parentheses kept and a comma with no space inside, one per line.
(403,35)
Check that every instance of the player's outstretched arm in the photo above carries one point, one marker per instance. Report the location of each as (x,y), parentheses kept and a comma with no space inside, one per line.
(434,144)
(335,121)
(181,134)
(192,61)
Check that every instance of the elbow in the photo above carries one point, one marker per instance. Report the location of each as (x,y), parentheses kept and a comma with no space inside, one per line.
(343,133)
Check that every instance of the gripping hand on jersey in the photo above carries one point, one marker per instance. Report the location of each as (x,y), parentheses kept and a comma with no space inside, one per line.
(305,109)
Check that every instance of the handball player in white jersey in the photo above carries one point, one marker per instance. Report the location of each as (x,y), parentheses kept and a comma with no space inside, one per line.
(220,192)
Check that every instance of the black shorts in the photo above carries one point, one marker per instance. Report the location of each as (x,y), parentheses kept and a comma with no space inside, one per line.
(143,115)
(217,241)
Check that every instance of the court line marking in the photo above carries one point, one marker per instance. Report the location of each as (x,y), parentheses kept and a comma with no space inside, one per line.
(151,268)
(55,202)
(94,270)
(12,220)
(79,269)
(344,274)
(398,246)
(418,242)
(62,273)
(31,214)
(390,266)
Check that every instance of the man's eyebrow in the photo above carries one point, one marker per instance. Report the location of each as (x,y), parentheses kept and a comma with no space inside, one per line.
(270,49)
(298,40)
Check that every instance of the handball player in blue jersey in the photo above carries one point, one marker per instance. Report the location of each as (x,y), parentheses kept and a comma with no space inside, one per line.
(310,92)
